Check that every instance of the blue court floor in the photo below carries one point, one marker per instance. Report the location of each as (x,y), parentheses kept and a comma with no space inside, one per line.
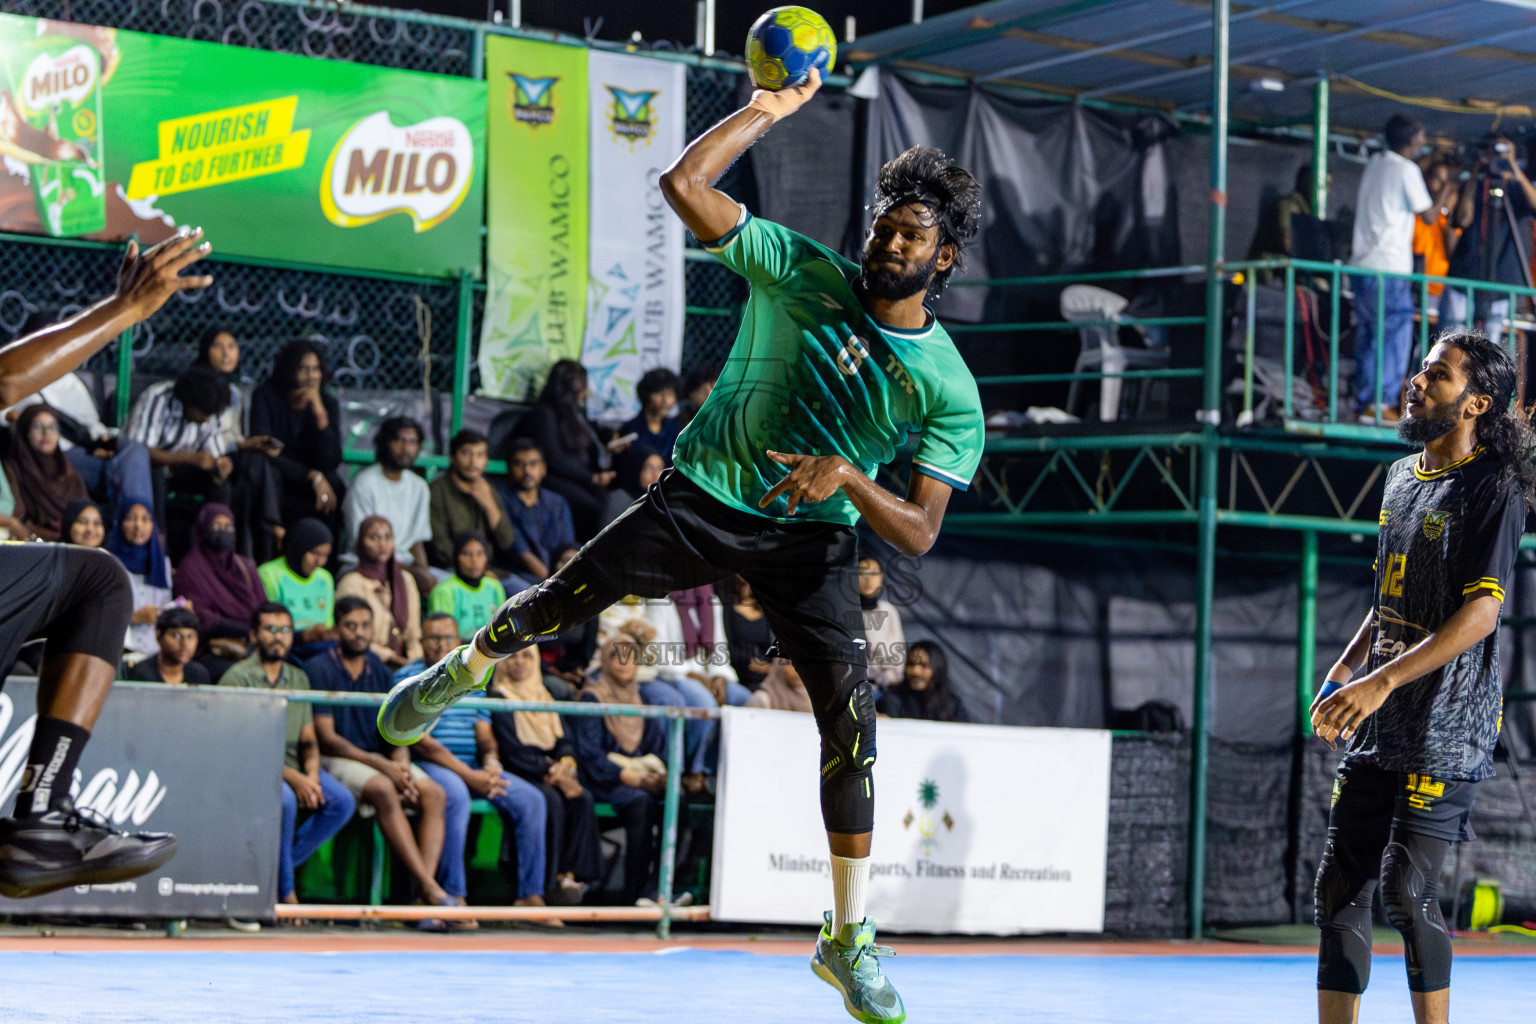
(690,986)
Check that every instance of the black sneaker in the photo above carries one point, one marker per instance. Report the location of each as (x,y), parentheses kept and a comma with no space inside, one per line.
(65,847)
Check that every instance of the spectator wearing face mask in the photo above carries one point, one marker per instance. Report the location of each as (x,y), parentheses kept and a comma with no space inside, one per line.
(176,633)
(223,585)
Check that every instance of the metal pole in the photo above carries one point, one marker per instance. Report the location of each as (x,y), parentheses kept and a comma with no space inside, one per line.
(668,865)
(477,57)
(461,344)
(1290,333)
(709,27)
(1210,416)
(124,375)
(1306,631)
(1320,149)
(517,13)
(917,12)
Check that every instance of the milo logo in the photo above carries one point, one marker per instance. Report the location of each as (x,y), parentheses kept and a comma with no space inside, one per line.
(377,169)
(51,80)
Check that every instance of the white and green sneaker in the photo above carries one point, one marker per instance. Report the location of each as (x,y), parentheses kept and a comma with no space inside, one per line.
(850,963)
(415,703)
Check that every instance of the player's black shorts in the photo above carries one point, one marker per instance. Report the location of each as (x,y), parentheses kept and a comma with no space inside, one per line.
(1372,803)
(676,537)
(78,598)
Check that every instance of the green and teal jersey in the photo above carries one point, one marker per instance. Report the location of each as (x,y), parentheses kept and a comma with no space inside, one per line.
(471,607)
(812,373)
(311,602)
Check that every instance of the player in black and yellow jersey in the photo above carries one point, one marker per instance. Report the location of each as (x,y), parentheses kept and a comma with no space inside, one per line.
(1416,696)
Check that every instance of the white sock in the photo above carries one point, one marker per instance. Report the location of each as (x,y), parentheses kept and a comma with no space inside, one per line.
(850,877)
(477,663)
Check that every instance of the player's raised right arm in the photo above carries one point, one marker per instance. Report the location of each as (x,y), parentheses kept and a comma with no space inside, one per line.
(689,184)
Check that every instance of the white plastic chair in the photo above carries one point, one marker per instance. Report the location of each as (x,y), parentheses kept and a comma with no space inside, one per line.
(1101,346)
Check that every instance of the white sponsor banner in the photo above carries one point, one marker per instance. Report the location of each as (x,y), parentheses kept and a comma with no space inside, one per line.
(635,289)
(978,828)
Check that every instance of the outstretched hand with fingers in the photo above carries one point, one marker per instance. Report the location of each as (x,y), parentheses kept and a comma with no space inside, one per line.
(146,280)
(811,478)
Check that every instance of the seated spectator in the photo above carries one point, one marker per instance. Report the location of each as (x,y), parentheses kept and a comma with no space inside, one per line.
(621,760)
(469,596)
(42,480)
(82,524)
(390,488)
(462,500)
(654,426)
(697,386)
(294,409)
(541,519)
(219,350)
(883,635)
(305,784)
(176,633)
(390,592)
(300,582)
(462,737)
(135,541)
(580,464)
(651,468)
(11,528)
(924,690)
(782,689)
(533,745)
(223,585)
(380,777)
(181,422)
(565,658)
(748,634)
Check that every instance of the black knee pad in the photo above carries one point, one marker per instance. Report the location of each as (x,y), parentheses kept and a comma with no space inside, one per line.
(1342,906)
(1409,896)
(847,760)
(1402,886)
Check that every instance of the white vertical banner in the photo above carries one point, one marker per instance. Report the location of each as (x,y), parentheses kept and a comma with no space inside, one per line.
(978,828)
(635,290)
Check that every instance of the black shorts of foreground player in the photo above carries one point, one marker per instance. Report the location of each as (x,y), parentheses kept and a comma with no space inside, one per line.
(79,602)
(1417,695)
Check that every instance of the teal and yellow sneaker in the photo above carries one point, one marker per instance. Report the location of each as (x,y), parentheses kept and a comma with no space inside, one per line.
(850,963)
(415,703)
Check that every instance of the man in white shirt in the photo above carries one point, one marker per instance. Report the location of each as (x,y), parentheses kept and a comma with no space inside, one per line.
(389,488)
(1392,193)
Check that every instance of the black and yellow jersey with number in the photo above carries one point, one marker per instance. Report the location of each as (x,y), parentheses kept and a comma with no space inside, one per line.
(1445,535)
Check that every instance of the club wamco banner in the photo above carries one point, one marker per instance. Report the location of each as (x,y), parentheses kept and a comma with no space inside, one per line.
(585,259)
(106,134)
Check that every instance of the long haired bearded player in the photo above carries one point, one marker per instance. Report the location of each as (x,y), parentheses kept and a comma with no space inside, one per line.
(79,601)
(835,363)
(1422,716)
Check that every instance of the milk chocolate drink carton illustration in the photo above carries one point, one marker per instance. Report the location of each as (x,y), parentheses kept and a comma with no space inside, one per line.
(60,95)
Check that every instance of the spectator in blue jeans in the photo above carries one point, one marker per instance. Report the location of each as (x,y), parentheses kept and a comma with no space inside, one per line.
(1392,192)
(304,783)
(463,738)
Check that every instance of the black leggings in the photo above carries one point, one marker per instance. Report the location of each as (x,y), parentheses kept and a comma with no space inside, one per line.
(77,599)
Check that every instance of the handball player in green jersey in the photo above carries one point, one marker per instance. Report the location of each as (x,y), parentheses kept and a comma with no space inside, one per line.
(835,364)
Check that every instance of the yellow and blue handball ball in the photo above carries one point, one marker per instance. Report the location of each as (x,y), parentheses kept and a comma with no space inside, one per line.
(785,44)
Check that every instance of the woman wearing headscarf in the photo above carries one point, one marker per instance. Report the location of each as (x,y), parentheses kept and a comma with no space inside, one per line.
(222,585)
(389,590)
(219,350)
(782,689)
(82,525)
(299,581)
(294,408)
(621,760)
(534,745)
(42,479)
(924,690)
(580,465)
(256,497)
(135,541)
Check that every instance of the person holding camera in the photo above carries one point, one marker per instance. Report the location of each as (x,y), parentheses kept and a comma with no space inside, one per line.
(1495,213)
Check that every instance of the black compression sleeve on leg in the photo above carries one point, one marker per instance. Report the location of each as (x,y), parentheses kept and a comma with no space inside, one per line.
(1410,868)
(847,726)
(92,608)
(1342,898)
(561,602)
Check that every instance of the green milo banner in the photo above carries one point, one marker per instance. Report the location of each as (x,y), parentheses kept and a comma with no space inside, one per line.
(106,134)
(536,256)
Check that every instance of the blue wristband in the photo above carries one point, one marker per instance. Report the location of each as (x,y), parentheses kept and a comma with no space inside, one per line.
(1328,690)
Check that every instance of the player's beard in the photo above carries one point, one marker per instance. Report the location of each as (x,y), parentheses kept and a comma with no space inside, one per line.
(882,281)
(1420,430)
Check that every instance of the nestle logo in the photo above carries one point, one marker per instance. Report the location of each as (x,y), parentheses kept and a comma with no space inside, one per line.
(429,140)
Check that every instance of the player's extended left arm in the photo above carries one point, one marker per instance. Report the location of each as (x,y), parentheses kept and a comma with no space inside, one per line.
(1341,714)
(910,524)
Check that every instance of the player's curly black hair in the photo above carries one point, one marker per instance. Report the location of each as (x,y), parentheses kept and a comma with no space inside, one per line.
(927,176)
(1505,429)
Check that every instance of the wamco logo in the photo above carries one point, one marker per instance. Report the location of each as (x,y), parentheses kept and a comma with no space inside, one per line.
(631,117)
(532,99)
(377,169)
(115,798)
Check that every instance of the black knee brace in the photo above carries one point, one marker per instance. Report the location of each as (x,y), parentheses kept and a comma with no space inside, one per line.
(539,613)
(1409,867)
(847,759)
(1341,900)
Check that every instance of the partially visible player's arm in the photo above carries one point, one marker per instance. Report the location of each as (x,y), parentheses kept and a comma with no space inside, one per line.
(910,524)
(1340,715)
(144,283)
(1353,657)
(689,184)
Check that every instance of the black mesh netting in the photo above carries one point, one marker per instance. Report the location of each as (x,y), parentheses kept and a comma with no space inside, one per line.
(1247,827)
(1148,836)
